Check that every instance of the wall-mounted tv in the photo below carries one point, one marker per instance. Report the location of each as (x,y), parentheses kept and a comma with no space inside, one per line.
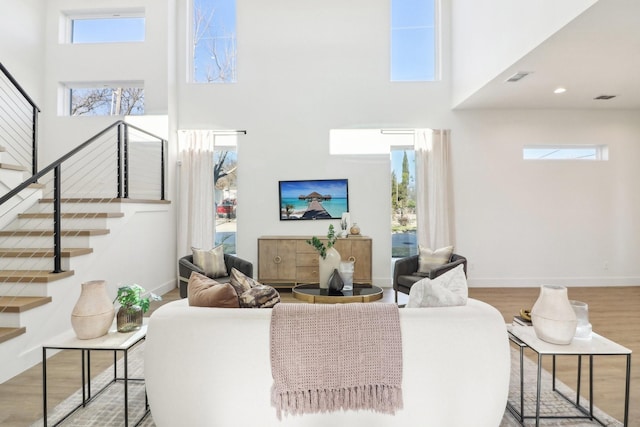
(313,199)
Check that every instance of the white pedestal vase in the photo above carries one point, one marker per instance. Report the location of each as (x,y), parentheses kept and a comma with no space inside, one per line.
(327,265)
(93,313)
(553,317)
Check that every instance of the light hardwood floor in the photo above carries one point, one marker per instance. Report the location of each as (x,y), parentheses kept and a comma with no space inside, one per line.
(614,312)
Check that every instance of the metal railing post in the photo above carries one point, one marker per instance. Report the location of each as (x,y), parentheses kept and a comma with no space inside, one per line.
(162,166)
(34,143)
(57,204)
(119,160)
(126,161)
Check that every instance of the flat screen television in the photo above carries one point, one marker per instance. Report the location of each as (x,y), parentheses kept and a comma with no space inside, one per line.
(313,199)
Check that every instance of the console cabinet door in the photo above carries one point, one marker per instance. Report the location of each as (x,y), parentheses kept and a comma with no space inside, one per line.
(276,260)
(357,250)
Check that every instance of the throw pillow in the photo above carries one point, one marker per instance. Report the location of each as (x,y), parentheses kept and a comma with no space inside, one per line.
(449,289)
(428,259)
(203,291)
(253,294)
(211,261)
(260,296)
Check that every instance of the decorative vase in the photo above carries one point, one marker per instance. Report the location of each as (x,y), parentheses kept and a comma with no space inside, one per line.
(553,318)
(93,313)
(327,265)
(335,281)
(584,328)
(346,272)
(355,229)
(129,318)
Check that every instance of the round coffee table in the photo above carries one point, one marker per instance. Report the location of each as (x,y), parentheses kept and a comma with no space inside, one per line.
(313,294)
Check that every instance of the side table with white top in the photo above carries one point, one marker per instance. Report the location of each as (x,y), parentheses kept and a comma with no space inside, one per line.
(113,341)
(597,345)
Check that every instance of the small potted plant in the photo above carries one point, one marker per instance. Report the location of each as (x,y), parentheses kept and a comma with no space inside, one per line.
(132,306)
(329,259)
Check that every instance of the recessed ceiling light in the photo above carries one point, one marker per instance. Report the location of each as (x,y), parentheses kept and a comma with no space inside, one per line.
(560,90)
(604,97)
(518,76)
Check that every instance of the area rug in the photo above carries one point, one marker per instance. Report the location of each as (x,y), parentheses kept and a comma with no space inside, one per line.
(108,408)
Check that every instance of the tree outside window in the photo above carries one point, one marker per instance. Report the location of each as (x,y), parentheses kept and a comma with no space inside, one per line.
(213,37)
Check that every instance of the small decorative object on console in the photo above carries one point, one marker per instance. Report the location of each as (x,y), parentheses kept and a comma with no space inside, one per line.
(553,318)
(132,306)
(355,229)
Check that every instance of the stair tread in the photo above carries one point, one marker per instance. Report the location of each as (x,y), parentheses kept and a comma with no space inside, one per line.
(74,215)
(12,167)
(7,333)
(43,252)
(21,304)
(80,232)
(105,200)
(33,276)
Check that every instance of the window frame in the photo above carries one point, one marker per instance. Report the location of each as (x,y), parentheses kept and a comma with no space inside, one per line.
(67,18)
(66,88)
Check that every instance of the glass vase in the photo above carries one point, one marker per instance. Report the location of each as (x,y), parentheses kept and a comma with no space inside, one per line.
(129,318)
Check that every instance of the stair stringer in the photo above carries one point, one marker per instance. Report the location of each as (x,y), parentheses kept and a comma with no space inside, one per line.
(140,248)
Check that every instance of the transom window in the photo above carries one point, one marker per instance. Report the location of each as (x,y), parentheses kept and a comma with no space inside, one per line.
(108,27)
(104,99)
(565,152)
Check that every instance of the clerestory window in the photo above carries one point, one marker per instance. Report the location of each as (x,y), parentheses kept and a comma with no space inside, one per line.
(413,40)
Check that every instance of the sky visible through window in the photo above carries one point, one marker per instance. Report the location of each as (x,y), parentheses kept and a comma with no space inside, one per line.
(214,41)
(107,30)
(413,40)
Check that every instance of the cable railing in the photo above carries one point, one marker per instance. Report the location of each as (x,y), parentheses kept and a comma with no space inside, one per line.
(18,123)
(53,213)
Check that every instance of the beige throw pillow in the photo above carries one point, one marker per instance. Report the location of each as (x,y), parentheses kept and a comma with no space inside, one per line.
(448,289)
(428,259)
(211,261)
(203,291)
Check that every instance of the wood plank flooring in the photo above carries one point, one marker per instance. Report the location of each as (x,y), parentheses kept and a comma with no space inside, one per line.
(614,312)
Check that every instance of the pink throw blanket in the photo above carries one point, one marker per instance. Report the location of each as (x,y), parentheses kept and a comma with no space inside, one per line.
(336,356)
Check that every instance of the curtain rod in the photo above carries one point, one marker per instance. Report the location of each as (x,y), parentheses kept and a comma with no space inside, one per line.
(397,131)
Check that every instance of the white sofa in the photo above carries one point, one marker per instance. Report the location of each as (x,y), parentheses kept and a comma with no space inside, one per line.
(211,367)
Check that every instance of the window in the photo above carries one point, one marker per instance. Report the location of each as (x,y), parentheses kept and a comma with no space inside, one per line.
(565,152)
(112,27)
(413,40)
(115,99)
(213,35)
(226,191)
(403,203)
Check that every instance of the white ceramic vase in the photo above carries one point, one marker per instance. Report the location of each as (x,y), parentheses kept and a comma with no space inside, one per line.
(93,313)
(552,316)
(327,265)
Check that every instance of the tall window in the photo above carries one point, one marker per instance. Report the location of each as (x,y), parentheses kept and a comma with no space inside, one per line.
(226,194)
(403,202)
(213,37)
(413,40)
(120,26)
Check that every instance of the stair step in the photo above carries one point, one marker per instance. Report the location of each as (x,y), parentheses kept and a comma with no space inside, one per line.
(106,200)
(43,252)
(73,215)
(13,167)
(29,276)
(21,304)
(91,232)
(8,333)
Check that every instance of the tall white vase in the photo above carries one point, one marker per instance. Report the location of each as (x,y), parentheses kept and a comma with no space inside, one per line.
(553,318)
(327,265)
(93,313)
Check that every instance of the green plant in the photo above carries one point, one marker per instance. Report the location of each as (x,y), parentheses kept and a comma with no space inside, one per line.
(130,295)
(320,246)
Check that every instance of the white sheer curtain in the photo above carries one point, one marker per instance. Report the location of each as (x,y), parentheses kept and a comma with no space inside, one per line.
(434,198)
(196,224)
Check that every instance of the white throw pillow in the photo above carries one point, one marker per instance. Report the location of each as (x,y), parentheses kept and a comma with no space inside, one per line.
(428,259)
(449,289)
(211,261)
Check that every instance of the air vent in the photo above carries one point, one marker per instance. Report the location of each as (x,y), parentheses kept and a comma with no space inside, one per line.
(605,97)
(518,76)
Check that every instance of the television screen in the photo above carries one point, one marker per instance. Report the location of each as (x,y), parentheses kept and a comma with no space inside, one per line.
(313,199)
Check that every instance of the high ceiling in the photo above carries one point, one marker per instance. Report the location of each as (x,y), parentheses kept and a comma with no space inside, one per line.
(598,53)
